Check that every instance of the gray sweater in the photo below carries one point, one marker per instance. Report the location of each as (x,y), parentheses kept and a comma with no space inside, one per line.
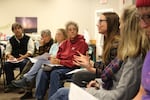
(126,83)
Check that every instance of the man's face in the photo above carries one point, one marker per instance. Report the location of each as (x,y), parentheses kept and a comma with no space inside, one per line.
(18,31)
(144,15)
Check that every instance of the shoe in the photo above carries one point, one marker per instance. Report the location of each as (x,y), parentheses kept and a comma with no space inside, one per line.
(21,90)
(20,83)
(27,95)
(9,88)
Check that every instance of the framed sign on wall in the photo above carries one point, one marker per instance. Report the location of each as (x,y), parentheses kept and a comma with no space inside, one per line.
(29,24)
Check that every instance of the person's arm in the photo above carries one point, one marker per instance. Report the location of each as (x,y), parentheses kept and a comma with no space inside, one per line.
(84,61)
(128,84)
(30,47)
(8,51)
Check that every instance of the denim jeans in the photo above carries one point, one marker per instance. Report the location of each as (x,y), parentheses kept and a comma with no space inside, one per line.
(51,79)
(35,68)
(61,94)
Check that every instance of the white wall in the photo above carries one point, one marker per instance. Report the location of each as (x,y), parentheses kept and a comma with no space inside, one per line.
(53,14)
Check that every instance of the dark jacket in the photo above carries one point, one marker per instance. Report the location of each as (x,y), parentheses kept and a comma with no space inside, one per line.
(45,48)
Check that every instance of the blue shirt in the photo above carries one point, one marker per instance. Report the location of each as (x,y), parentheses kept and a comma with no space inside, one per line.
(54,49)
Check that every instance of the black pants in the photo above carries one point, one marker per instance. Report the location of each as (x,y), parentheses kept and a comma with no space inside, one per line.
(9,67)
(83,77)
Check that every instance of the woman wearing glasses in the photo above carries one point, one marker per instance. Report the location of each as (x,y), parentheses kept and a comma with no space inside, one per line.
(143,7)
(108,25)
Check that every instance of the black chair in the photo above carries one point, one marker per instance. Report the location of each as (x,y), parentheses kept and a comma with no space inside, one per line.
(2,60)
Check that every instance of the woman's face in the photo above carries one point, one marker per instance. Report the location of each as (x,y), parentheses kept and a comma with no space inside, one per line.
(102,25)
(72,31)
(144,15)
(59,36)
(46,38)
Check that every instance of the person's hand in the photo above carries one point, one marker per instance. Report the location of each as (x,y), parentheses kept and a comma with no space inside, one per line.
(54,60)
(10,57)
(41,42)
(21,57)
(93,83)
(81,60)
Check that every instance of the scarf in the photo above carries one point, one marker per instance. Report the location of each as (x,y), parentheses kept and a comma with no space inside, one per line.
(109,71)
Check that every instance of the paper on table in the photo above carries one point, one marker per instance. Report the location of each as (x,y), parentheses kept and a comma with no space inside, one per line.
(75,71)
(77,93)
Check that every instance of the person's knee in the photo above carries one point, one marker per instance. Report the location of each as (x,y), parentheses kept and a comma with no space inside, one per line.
(54,73)
(63,91)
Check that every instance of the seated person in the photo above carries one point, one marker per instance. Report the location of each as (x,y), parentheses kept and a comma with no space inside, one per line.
(44,46)
(111,41)
(59,38)
(123,78)
(18,48)
(46,42)
(67,50)
(143,7)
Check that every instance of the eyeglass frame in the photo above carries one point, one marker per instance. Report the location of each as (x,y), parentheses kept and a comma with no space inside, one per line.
(101,20)
(145,18)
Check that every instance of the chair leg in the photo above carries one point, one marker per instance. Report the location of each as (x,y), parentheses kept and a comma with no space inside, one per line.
(2,72)
(4,80)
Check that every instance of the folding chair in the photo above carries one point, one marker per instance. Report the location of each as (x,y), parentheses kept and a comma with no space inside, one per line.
(2,60)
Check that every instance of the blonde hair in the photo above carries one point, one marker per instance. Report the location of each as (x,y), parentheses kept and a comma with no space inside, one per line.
(132,35)
(145,43)
(63,31)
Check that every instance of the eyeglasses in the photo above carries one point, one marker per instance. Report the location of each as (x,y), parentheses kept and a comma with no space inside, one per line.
(101,20)
(145,18)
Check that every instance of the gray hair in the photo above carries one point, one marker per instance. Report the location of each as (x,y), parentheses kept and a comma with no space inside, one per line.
(46,32)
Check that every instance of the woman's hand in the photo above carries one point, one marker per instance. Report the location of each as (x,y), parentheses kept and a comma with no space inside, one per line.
(54,60)
(41,42)
(93,83)
(81,60)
